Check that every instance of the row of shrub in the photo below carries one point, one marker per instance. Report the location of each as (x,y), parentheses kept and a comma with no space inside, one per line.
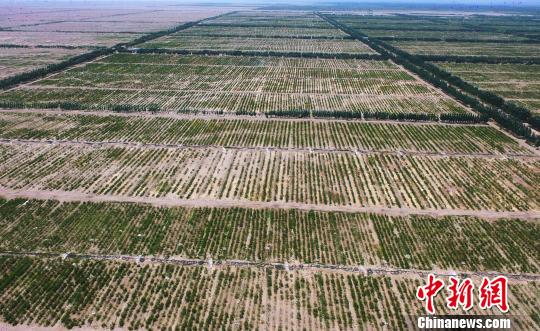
(257,53)
(272,37)
(378,115)
(70,105)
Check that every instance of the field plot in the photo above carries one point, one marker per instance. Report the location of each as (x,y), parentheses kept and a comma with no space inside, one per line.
(391,22)
(454,35)
(39,18)
(425,27)
(260,18)
(116,294)
(269,235)
(263,31)
(237,84)
(519,83)
(17,60)
(468,49)
(325,178)
(428,138)
(229,33)
(134,21)
(20,16)
(34,38)
(179,41)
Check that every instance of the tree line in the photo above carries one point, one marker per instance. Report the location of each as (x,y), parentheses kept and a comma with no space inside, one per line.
(273,36)
(256,53)
(380,115)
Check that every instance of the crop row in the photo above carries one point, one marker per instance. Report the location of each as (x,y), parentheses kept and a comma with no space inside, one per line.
(276,176)
(114,294)
(260,133)
(179,41)
(270,235)
(249,61)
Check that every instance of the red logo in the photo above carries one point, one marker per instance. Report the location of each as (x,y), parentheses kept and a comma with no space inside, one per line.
(428,292)
(492,293)
(460,294)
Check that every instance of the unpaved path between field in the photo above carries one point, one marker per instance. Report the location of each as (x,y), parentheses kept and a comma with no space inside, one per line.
(212,115)
(374,270)
(77,196)
(124,144)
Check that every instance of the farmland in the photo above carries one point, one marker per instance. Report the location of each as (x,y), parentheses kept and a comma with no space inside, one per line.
(263,31)
(324,135)
(179,41)
(324,178)
(236,298)
(17,60)
(469,49)
(34,38)
(515,82)
(200,167)
(247,234)
(237,84)
(241,32)
(37,37)
(429,34)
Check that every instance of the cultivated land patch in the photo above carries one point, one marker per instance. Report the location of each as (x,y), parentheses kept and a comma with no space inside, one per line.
(270,235)
(226,39)
(236,84)
(137,21)
(324,178)
(17,60)
(186,42)
(427,27)
(262,31)
(160,220)
(117,294)
(35,38)
(469,49)
(259,133)
(519,83)
(443,35)
(255,18)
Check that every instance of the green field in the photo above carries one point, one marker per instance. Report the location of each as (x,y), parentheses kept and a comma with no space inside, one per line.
(269,235)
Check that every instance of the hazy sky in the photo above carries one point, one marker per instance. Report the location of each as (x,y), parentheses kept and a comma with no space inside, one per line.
(303,2)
